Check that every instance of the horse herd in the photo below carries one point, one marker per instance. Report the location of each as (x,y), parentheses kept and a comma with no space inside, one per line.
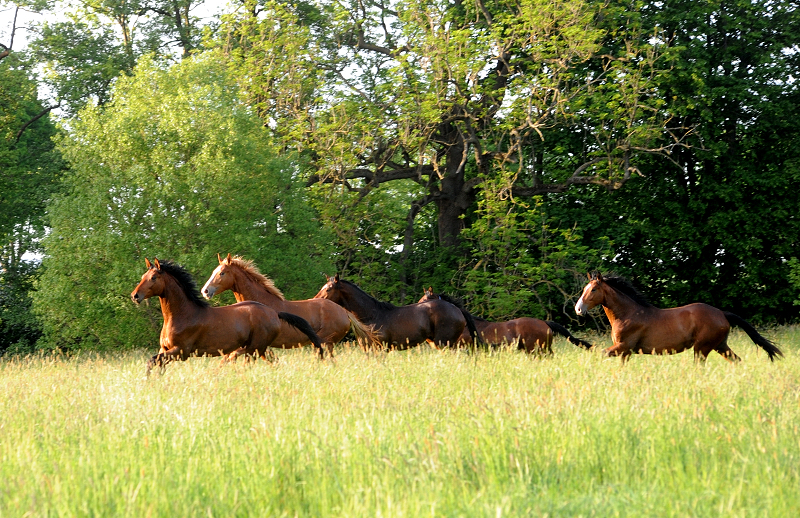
(262,319)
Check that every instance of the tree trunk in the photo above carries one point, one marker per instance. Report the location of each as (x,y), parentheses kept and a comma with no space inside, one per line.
(453,199)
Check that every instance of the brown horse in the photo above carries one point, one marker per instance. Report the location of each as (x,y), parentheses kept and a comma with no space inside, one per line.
(192,327)
(400,327)
(639,327)
(532,335)
(330,321)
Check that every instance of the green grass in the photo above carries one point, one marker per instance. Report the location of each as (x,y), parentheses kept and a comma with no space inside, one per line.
(416,433)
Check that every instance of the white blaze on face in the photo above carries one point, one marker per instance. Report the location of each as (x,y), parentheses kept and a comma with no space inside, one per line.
(208,291)
(580,306)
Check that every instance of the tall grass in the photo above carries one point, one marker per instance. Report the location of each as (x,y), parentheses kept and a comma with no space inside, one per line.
(416,433)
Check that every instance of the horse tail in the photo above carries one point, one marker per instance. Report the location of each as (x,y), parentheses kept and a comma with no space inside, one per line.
(365,335)
(767,345)
(473,330)
(562,331)
(302,325)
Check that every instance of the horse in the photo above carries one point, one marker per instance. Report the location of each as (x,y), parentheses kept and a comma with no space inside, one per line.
(639,327)
(532,335)
(330,321)
(400,327)
(192,327)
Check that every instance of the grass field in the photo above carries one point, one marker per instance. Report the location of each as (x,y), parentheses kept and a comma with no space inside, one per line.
(416,433)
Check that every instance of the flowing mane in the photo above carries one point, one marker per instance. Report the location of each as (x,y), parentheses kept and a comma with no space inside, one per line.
(624,286)
(185,281)
(252,271)
(379,303)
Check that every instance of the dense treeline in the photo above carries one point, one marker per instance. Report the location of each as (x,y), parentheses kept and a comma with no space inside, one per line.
(494,150)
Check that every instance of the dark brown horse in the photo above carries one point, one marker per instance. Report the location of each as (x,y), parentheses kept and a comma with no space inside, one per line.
(532,335)
(330,321)
(639,327)
(399,327)
(192,327)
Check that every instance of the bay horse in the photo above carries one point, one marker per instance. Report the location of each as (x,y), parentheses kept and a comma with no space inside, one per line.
(639,327)
(532,335)
(399,327)
(329,320)
(192,327)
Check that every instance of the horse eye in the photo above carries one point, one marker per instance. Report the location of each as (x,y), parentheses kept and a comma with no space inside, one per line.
(221,274)
(594,289)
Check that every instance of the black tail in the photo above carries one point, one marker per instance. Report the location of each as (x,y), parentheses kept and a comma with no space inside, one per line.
(767,345)
(302,325)
(473,331)
(562,331)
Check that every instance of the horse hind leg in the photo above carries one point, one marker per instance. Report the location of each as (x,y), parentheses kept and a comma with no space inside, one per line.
(727,353)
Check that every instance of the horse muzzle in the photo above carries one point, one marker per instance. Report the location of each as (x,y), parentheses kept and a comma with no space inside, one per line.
(208,291)
(580,308)
(135,297)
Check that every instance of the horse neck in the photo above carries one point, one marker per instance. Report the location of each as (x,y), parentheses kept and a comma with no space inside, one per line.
(174,302)
(245,287)
(618,306)
(362,305)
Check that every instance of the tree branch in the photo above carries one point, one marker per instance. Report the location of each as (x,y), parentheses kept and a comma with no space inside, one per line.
(36,118)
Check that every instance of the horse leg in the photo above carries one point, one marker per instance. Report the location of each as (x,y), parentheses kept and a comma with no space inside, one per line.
(161,359)
(619,350)
(727,353)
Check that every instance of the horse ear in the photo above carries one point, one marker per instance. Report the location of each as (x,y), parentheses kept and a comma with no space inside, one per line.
(228,259)
(147,262)
(327,279)
(336,278)
(589,276)
(158,265)
(219,258)
(599,276)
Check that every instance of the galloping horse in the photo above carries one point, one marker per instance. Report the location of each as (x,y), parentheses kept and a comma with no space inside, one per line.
(400,327)
(330,321)
(638,326)
(532,335)
(193,327)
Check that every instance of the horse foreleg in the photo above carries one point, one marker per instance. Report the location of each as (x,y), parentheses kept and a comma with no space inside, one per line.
(619,350)
(163,358)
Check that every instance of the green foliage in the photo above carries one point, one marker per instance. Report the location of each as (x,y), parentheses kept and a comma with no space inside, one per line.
(175,167)
(29,168)
(718,222)
(523,262)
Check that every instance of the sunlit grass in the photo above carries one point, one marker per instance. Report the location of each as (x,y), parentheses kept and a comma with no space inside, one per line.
(416,433)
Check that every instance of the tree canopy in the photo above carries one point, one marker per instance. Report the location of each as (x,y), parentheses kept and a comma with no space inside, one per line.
(175,166)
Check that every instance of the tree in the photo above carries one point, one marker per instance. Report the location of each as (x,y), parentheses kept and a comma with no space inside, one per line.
(29,169)
(719,224)
(175,166)
(95,41)
(449,95)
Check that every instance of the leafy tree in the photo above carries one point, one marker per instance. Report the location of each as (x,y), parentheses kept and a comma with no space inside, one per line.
(95,41)
(719,224)
(449,95)
(177,167)
(29,168)
(523,263)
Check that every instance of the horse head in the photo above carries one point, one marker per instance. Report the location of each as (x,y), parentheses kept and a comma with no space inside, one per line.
(592,295)
(152,283)
(221,279)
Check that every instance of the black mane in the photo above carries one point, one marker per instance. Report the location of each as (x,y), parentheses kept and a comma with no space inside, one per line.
(624,286)
(379,303)
(185,281)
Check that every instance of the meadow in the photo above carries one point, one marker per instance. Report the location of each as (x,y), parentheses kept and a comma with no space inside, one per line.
(415,433)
